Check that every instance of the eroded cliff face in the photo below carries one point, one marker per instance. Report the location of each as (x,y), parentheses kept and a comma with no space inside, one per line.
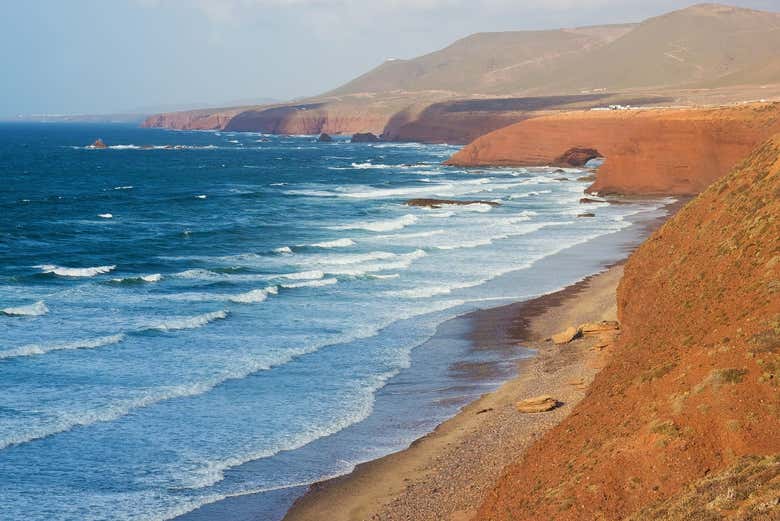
(215,119)
(682,422)
(312,118)
(660,151)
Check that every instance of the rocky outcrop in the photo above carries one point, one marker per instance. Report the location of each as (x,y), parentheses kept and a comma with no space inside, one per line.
(567,335)
(98,143)
(325,138)
(364,137)
(438,203)
(658,151)
(576,157)
(682,422)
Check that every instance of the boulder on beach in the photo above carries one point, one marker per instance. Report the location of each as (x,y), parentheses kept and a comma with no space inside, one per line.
(536,404)
(364,137)
(98,143)
(438,203)
(566,336)
(325,138)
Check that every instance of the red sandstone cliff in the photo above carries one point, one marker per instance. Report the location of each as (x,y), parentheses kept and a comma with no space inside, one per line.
(658,151)
(206,119)
(683,422)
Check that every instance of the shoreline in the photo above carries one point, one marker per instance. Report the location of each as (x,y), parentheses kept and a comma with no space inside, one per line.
(444,475)
(434,478)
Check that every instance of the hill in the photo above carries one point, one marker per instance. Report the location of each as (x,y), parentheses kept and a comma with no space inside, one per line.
(705,54)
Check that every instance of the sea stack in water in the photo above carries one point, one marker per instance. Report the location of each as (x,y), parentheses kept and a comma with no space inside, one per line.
(364,137)
(98,144)
(324,138)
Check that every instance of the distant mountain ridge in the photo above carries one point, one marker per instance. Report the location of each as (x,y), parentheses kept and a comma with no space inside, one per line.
(704,54)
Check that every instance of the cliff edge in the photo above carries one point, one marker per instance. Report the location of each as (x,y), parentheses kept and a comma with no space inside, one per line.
(654,151)
(682,422)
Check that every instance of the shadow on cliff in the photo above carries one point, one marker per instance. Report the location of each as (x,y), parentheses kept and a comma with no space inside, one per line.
(278,120)
(462,121)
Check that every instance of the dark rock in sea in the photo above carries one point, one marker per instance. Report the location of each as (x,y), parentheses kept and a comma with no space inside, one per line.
(587,214)
(98,144)
(586,200)
(364,137)
(561,178)
(577,157)
(324,138)
(587,178)
(438,203)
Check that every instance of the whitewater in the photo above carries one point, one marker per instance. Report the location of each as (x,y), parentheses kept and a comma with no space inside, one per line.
(194,324)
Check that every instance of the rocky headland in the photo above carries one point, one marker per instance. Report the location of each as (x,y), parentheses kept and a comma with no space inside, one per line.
(647,152)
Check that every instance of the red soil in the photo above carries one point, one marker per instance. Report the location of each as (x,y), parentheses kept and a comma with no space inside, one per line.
(683,421)
(678,151)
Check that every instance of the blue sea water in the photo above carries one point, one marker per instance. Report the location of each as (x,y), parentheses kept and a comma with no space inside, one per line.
(225,315)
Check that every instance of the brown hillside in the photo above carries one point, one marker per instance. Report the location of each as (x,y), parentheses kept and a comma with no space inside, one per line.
(683,422)
(484,62)
(704,54)
(706,45)
(677,151)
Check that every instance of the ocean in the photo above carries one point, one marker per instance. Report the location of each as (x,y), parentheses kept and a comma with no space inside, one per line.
(200,324)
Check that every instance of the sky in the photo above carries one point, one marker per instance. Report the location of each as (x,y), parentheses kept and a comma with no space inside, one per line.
(106,56)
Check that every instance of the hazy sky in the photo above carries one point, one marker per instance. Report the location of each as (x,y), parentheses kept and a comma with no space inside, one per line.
(97,56)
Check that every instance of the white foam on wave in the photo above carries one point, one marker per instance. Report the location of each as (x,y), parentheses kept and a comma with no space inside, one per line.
(311,283)
(75,272)
(396,262)
(431,291)
(380,226)
(342,259)
(415,235)
(127,187)
(197,321)
(201,196)
(106,216)
(337,243)
(40,349)
(441,215)
(367,165)
(304,275)
(154,277)
(476,207)
(254,296)
(284,250)
(529,194)
(31,310)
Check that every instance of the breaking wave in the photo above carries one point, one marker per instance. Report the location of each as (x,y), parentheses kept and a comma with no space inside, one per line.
(380,226)
(31,310)
(40,349)
(75,272)
(197,321)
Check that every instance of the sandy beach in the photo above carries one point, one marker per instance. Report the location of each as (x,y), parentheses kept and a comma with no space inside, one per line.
(444,475)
